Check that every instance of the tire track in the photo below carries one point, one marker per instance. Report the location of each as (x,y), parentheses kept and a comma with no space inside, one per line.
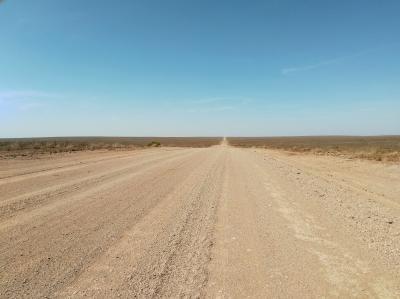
(12,206)
(166,254)
(82,232)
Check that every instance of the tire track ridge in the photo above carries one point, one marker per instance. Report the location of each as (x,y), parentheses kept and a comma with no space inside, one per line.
(7,219)
(121,217)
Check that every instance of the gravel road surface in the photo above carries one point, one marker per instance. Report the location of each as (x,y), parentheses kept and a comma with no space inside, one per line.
(218,222)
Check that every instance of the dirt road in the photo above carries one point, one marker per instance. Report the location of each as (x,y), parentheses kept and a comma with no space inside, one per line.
(217,222)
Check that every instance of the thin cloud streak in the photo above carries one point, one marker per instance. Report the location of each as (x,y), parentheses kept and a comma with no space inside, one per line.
(25,99)
(15,95)
(286,71)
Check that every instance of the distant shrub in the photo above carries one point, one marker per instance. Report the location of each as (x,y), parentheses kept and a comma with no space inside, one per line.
(154,144)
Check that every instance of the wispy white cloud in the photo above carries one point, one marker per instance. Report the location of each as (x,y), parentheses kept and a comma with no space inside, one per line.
(286,71)
(25,99)
(25,94)
(289,70)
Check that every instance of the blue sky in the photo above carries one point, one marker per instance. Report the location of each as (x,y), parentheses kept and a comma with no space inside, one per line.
(190,68)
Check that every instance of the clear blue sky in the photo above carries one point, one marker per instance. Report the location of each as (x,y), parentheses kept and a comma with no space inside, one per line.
(179,68)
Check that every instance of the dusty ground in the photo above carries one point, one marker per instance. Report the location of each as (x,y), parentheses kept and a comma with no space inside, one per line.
(217,222)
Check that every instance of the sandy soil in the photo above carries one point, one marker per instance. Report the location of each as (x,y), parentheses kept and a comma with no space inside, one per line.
(217,222)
